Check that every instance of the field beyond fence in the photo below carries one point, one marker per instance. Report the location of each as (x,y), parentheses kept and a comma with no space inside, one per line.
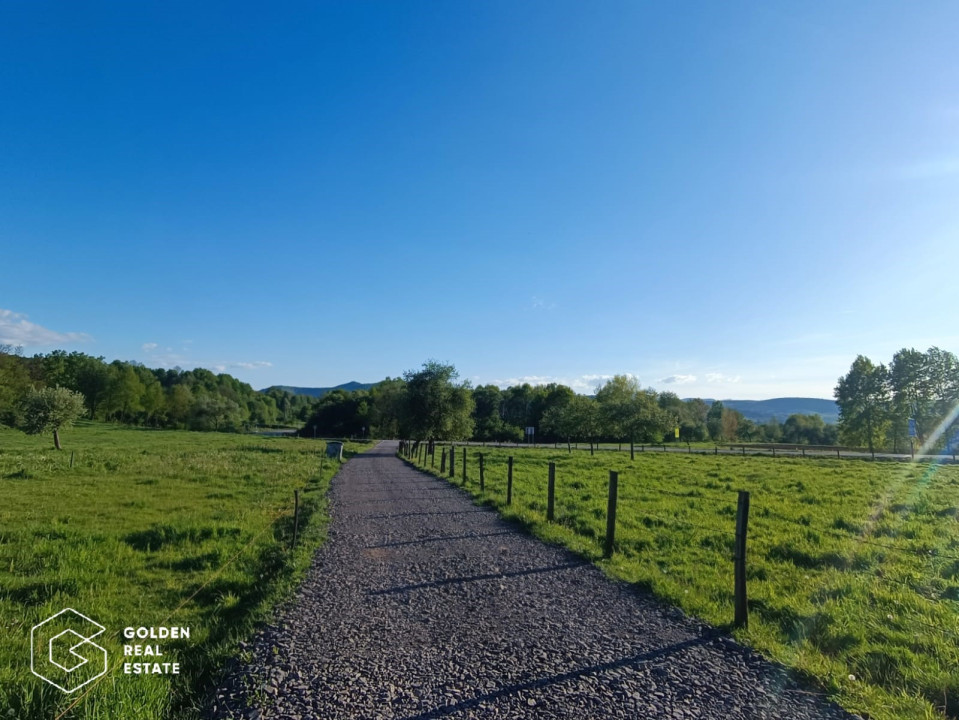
(852,567)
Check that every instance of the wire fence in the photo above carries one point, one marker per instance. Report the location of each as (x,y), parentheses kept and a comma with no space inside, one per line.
(766,550)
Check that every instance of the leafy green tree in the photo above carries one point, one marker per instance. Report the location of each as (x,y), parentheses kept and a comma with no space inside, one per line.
(179,405)
(550,396)
(124,393)
(92,376)
(863,398)
(772,430)
(692,424)
(925,387)
(616,401)
(748,431)
(729,423)
(387,406)
(262,409)
(516,401)
(15,383)
(436,407)
(57,370)
(674,412)
(714,420)
(647,421)
(50,409)
(804,430)
(339,414)
(587,416)
(216,412)
(560,421)
(488,425)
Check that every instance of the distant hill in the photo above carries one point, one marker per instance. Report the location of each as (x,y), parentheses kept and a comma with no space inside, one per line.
(781,408)
(320,392)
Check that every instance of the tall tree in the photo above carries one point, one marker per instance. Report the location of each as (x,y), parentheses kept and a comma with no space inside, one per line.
(863,398)
(587,416)
(436,407)
(14,383)
(560,421)
(714,420)
(388,402)
(616,398)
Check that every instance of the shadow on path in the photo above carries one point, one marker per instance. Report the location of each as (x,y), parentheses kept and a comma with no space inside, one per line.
(474,578)
(563,677)
(441,538)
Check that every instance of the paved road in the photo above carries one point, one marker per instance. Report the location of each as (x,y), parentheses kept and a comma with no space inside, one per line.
(422,605)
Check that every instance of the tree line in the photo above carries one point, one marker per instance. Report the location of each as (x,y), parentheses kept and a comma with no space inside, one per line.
(431,404)
(888,407)
(128,392)
(876,403)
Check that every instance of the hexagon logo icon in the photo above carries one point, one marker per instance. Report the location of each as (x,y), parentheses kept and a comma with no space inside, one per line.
(63,653)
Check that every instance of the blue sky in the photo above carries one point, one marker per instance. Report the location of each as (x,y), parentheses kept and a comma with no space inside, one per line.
(724,199)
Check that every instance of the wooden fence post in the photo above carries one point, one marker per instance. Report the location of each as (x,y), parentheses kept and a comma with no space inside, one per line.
(296,517)
(803,452)
(443,462)
(774,451)
(551,492)
(452,461)
(632,450)
(509,482)
(611,513)
(464,465)
(742,521)
(482,473)
(744,451)
(837,454)
(71,458)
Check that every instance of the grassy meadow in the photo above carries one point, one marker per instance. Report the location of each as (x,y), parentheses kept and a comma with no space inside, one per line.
(853,566)
(148,528)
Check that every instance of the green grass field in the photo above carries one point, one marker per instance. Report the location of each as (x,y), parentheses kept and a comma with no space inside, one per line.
(853,566)
(149,528)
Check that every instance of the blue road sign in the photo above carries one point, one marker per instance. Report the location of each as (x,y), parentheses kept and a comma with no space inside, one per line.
(912,427)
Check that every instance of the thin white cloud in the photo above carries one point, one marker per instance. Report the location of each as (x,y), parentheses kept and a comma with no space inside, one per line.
(166,357)
(679,379)
(16,329)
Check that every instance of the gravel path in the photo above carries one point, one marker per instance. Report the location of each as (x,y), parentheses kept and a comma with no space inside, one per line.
(422,605)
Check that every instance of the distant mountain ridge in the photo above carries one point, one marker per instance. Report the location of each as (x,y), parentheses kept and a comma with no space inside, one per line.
(781,408)
(350,386)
